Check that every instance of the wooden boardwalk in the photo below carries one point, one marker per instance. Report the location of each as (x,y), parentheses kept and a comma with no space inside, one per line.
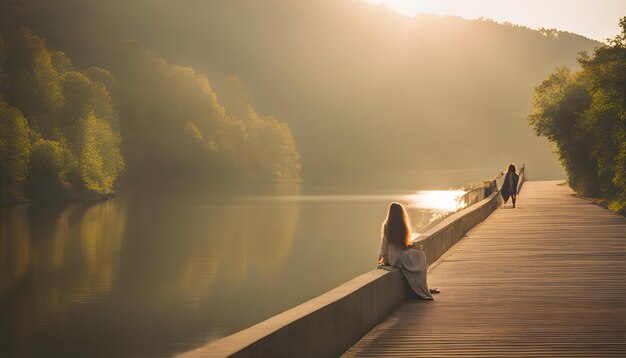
(546,279)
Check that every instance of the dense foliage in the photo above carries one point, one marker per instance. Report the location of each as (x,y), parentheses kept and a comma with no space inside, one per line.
(584,114)
(368,93)
(174,126)
(61,137)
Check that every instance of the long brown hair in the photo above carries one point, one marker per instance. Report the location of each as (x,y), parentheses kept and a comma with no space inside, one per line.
(396,227)
(512,168)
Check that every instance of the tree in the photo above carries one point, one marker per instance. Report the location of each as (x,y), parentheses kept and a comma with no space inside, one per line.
(100,158)
(174,127)
(71,124)
(47,174)
(585,115)
(15,146)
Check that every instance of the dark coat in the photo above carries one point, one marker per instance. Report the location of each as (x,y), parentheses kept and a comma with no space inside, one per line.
(506,193)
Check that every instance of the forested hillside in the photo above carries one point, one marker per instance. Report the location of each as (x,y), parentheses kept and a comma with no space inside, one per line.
(68,134)
(365,91)
(175,126)
(59,132)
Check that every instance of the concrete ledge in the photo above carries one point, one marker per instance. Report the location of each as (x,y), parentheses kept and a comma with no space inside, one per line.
(325,326)
(328,325)
(441,237)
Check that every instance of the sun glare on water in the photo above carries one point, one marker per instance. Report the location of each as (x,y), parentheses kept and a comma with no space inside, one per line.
(437,200)
(441,200)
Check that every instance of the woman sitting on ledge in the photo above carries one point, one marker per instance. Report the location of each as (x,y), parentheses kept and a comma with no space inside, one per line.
(397,251)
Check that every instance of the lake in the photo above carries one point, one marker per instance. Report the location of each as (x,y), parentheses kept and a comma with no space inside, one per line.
(157,271)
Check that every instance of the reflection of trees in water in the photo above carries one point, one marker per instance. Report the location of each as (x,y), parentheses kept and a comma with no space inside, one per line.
(232,243)
(241,249)
(147,262)
(192,260)
(15,247)
(82,260)
(64,256)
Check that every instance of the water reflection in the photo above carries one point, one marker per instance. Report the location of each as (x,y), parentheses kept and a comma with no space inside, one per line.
(424,206)
(79,239)
(438,200)
(161,270)
(442,200)
(234,241)
(15,248)
(52,260)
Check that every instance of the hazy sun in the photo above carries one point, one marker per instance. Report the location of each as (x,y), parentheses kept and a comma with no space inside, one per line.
(597,19)
(413,7)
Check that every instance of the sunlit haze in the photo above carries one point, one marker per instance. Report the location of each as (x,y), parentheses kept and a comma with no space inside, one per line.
(442,200)
(174,172)
(439,200)
(594,19)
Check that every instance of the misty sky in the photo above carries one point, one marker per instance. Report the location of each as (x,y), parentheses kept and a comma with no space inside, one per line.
(595,19)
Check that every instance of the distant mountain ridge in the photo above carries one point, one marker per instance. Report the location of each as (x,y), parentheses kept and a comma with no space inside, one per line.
(364,89)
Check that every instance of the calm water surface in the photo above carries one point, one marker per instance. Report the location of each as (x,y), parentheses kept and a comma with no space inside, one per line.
(155,272)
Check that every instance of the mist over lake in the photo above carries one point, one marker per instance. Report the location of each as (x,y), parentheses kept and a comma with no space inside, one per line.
(203,261)
(174,172)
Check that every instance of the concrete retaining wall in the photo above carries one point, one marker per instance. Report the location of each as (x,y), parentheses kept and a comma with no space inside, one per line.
(330,324)
(441,237)
(325,326)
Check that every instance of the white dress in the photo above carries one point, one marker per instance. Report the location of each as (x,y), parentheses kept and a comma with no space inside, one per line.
(413,264)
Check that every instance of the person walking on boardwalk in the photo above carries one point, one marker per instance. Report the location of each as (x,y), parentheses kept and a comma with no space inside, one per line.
(396,250)
(509,187)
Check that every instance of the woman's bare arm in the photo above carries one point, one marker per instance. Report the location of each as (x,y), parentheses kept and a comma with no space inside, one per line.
(383,250)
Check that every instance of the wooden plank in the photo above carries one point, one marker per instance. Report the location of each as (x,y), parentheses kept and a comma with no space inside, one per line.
(545,279)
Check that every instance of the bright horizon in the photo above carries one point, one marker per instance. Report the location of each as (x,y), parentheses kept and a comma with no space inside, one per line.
(596,20)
